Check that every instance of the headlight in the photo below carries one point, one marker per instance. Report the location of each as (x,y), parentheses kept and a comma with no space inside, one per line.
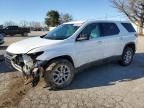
(34,55)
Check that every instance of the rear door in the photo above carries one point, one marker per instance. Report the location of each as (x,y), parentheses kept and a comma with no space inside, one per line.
(110,33)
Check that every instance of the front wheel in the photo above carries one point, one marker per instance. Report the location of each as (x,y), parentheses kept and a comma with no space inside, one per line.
(127,56)
(59,73)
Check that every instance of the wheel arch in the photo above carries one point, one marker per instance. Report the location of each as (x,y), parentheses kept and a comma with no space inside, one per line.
(67,57)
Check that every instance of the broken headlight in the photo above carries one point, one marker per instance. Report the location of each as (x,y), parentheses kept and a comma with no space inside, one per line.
(29,62)
(34,55)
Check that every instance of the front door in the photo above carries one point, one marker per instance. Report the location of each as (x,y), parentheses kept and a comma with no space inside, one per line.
(89,45)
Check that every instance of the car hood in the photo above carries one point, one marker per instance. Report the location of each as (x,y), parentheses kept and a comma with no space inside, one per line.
(26,45)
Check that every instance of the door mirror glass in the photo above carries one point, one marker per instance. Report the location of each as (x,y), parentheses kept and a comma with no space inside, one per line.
(82,37)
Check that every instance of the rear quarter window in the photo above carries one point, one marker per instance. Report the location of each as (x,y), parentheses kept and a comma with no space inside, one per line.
(128,27)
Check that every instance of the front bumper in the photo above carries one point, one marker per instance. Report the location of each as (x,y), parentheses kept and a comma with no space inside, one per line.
(35,71)
(10,63)
(9,60)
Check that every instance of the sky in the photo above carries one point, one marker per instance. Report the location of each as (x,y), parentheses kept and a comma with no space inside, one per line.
(35,10)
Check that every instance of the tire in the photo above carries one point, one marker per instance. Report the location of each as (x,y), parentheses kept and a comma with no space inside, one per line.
(24,34)
(127,56)
(56,77)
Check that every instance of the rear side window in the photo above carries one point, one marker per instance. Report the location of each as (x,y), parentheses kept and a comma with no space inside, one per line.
(108,29)
(128,27)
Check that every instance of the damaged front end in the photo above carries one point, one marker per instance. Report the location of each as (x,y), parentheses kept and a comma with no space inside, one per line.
(28,65)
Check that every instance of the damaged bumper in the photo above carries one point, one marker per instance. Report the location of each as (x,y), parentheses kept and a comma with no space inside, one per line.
(23,63)
(8,60)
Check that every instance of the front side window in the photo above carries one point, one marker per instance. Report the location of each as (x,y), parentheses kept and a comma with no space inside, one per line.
(90,32)
(62,32)
(109,29)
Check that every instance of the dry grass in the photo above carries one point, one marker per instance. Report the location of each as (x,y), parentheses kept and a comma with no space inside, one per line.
(15,93)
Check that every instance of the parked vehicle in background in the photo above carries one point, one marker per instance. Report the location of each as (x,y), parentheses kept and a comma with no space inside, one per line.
(13,30)
(1,26)
(1,39)
(71,45)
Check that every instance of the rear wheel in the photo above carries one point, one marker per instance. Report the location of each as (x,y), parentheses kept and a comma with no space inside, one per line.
(127,56)
(59,73)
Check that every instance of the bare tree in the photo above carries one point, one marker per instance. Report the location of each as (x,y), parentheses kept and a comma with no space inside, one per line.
(65,17)
(133,9)
(24,23)
(35,25)
(9,23)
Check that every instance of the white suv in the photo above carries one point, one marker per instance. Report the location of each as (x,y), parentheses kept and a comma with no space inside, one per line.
(71,45)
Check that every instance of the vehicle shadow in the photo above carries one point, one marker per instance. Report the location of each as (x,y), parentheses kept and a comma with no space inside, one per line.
(108,74)
(4,68)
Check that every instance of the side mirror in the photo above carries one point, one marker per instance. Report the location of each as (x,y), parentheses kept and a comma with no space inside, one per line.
(43,35)
(82,37)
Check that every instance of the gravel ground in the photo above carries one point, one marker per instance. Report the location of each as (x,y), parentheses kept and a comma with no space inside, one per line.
(105,86)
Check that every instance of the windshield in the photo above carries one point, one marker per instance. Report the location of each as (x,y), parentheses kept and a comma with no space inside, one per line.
(62,32)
